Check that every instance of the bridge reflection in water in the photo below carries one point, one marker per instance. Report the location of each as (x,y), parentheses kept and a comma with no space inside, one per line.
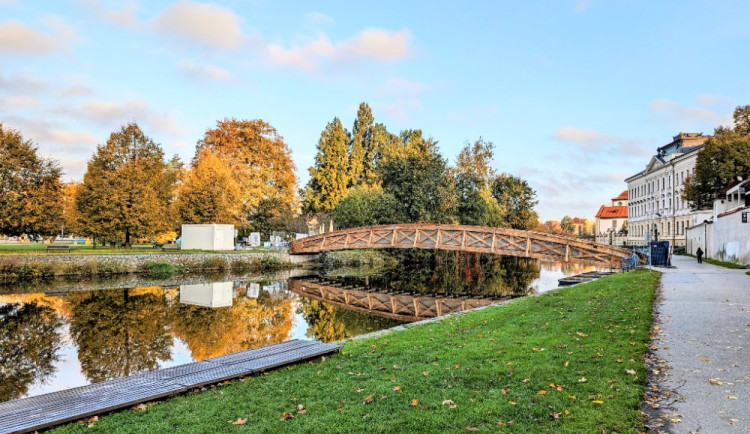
(393,305)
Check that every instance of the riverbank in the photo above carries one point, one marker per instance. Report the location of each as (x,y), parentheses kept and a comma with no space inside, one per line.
(571,360)
(15,268)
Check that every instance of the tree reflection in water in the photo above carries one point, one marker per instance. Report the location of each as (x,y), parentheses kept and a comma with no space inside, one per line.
(120,332)
(30,338)
(329,323)
(248,323)
(457,273)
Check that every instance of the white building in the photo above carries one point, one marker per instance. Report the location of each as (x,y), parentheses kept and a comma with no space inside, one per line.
(726,236)
(656,209)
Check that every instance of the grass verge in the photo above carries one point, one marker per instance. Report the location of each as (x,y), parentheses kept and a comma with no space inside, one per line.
(719,263)
(568,361)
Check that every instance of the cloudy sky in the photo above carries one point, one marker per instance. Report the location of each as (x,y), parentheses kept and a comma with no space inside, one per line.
(575,94)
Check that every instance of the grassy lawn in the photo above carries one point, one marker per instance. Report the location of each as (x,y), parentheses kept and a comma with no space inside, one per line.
(719,263)
(39,248)
(568,361)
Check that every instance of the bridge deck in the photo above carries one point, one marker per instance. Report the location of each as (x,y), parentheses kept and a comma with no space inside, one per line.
(38,412)
(477,239)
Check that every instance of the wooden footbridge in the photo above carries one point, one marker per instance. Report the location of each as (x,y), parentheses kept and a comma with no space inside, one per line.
(477,239)
(398,306)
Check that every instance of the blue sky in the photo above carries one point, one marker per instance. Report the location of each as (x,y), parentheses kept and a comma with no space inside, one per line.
(576,95)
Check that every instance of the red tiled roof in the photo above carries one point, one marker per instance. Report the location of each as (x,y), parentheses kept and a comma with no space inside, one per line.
(612,212)
(622,196)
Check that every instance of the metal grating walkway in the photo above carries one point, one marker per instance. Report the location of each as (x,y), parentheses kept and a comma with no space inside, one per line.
(37,412)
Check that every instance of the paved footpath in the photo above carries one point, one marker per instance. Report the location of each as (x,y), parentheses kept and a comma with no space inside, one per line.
(704,337)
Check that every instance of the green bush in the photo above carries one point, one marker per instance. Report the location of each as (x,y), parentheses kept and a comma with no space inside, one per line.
(159,269)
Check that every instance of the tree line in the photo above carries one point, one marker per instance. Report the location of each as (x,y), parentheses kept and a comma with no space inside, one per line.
(242,173)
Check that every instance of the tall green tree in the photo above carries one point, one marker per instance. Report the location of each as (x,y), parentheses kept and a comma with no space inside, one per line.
(566,225)
(329,178)
(30,188)
(361,164)
(473,176)
(517,200)
(366,206)
(418,177)
(127,188)
(724,157)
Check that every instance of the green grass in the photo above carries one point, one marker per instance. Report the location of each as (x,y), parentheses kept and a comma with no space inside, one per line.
(719,263)
(80,249)
(568,361)
(748,273)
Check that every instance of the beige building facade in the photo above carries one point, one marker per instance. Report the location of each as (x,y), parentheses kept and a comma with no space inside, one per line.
(656,210)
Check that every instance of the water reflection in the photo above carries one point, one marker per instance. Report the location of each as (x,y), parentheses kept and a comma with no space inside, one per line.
(70,337)
(29,344)
(120,332)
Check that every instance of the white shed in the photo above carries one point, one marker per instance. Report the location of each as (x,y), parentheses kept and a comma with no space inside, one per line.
(208,237)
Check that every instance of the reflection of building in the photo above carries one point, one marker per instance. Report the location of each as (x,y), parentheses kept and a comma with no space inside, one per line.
(214,294)
(656,208)
(253,290)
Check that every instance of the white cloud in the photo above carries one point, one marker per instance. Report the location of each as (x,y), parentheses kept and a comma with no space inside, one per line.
(586,139)
(690,117)
(125,17)
(318,19)
(204,72)
(582,5)
(370,45)
(401,86)
(206,25)
(18,101)
(18,38)
(72,137)
(115,114)
(20,84)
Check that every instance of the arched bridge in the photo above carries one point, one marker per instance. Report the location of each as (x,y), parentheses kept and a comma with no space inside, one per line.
(477,239)
(402,307)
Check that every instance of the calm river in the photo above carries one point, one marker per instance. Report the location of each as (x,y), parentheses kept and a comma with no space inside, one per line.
(55,337)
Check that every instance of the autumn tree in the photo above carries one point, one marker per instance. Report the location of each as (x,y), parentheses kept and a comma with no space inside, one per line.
(724,157)
(127,188)
(209,192)
(258,158)
(473,176)
(72,218)
(30,188)
(517,200)
(329,178)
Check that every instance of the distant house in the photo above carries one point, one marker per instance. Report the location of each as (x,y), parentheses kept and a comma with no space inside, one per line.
(612,217)
(582,226)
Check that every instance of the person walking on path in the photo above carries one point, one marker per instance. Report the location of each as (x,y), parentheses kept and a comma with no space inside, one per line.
(699,254)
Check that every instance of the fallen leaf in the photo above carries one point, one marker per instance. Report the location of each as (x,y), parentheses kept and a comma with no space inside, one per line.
(448,402)
(706,360)
(732,397)
(425,373)
(241,421)
(554,415)
(542,392)
(630,371)
(675,420)
(471,428)
(286,415)
(512,402)
(301,409)
(583,335)
(397,388)
(396,367)
(715,382)
(141,407)
(598,402)
(414,403)
(567,412)
(583,380)
(90,419)
(367,400)
(572,396)
(360,390)
(567,363)
(525,380)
